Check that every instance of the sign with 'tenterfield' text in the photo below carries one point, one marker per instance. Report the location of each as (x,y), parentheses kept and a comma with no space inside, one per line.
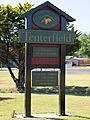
(46,36)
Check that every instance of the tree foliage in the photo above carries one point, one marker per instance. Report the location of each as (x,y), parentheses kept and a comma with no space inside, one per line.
(10,49)
(84,50)
(71,49)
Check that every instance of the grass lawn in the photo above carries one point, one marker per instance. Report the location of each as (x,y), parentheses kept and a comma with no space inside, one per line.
(78,106)
(6,82)
(82,80)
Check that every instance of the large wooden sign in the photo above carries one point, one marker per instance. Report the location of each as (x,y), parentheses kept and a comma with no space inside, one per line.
(44,78)
(45,36)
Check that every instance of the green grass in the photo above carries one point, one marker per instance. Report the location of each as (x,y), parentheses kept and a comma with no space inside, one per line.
(71,79)
(82,80)
(6,82)
(78,106)
(4,74)
(8,103)
(42,104)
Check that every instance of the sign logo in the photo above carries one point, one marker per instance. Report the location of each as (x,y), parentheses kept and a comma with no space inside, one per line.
(45,19)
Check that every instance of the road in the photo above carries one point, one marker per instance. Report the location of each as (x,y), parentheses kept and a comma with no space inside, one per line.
(77,70)
(72,70)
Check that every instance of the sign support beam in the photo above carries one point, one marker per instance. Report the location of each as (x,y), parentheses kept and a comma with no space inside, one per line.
(27,72)
(62,73)
(27,81)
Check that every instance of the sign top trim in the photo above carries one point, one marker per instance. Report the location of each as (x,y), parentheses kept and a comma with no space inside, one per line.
(59,11)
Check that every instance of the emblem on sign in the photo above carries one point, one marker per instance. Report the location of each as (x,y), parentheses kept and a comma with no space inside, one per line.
(45,19)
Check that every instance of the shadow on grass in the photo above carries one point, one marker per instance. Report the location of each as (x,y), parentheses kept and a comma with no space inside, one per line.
(55,119)
(71,90)
(77,116)
(5,98)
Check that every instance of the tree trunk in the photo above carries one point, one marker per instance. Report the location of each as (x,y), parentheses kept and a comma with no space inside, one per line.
(20,81)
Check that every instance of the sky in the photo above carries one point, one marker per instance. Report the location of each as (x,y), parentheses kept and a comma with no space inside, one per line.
(78,9)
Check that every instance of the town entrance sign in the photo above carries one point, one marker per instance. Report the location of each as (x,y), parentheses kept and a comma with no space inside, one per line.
(45,37)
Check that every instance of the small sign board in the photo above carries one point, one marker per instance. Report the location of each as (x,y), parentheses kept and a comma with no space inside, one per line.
(44,78)
(45,55)
(50,52)
(46,36)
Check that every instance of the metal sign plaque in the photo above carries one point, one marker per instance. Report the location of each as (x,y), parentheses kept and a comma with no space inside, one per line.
(50,52)
(44,78)
(45,36)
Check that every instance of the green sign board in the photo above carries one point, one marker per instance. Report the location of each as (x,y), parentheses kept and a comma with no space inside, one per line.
(45,36)
(44,78)
(45,52)
(46,19)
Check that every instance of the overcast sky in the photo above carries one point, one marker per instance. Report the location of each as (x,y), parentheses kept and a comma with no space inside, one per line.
(78,9)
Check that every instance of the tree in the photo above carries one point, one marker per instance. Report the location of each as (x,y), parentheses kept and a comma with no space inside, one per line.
(10,49)
(71,49)
(85,46)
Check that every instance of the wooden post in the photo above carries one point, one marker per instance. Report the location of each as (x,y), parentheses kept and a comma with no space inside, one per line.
(27,73)
(62,73)
(27,81)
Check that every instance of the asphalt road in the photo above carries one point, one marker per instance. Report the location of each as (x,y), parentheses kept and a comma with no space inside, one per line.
(78,70)
(70,70)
